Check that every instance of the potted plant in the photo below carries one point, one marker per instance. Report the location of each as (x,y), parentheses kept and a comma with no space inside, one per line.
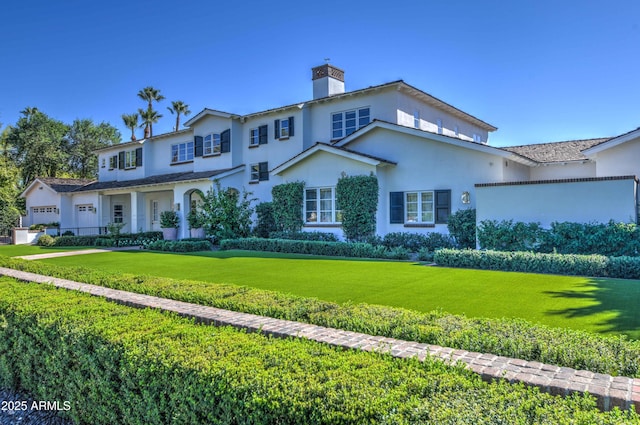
(169,222)
(196,218)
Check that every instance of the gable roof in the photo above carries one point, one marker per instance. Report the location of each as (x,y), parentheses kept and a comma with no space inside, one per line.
(57,184)
(325,147)
(160,179)
(613,141)
(570,150)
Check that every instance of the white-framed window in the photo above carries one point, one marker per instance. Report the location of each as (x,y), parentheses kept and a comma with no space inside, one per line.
(419,207)
(155,211)
(118,213)
(439,122)
(416,118)
(456,131)
(321,206)
(113,162)
(130,159)
(477,138)
(284,129)
(254,137)
(259,172)
(345,123)
(211,144)
(182,152)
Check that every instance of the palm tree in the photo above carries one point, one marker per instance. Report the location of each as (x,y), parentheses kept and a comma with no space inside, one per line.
(150,95)
(149,117)
(29,111)
(131,121)
(179,107)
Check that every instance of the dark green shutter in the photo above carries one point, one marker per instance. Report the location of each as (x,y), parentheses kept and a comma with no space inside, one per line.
(263,169)
(276,131)
(396,207)
(197,145)
(138,157)
(290,126)
(443,206)
(225,141)
(121,160)
(263,135)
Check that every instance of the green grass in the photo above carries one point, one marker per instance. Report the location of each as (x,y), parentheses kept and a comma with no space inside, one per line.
(606,306)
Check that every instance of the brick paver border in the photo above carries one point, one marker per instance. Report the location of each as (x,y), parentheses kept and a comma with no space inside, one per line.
(609,391)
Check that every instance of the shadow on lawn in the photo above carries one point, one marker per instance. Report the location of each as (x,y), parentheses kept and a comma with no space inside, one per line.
(614,296)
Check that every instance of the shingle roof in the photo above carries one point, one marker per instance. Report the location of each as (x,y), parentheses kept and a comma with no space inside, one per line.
(153,180)
(570,150)
(62,185)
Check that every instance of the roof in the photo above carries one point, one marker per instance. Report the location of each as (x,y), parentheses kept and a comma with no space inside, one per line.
(141,141)
(160,179)
(613,141)
(570,150)
(62,185)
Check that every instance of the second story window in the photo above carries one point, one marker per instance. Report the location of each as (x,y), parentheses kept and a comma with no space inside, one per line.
(211,144)
(113,162)
(283,128)
(130,159)
(182,152)
(345,123)
(258,136)
(260,172)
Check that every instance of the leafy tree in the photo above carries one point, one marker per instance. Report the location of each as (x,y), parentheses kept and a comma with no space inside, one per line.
(131,122)
(9,188)
(178,107)
(38,146)
(150,95)
(84,138)
(287,206)
(227,214)
(149,117)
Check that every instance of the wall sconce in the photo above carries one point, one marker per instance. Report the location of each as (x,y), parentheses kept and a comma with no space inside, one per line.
(466,197)
(177,206)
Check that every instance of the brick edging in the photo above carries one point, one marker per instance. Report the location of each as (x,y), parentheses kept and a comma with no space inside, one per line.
(610,391)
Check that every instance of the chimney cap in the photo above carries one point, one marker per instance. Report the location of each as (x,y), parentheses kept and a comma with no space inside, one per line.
(327,70)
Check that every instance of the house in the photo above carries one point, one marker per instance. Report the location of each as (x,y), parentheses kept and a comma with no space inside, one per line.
(430,159)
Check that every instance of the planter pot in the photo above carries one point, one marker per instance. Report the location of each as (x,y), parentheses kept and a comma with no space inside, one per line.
(170,233)
(197,233)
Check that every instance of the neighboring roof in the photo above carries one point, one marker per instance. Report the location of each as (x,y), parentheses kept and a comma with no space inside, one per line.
(160,179)
(325,147)
(614,141)
(571,150)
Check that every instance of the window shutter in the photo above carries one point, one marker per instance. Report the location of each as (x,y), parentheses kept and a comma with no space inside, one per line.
(263,135)
(290,126)
(138,157)
(443,206)
(276,126)
(396,207)
(225,141)
(263,169)
(197,145)
(121,160)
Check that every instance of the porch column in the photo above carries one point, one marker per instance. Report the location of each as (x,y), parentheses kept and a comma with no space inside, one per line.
(99,208)
(133,226)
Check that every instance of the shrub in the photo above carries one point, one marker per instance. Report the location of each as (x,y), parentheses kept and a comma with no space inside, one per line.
(179,246)
(46,240)
(462,227)
(416,241)
(287,206)
(265,221)
(76,240)
(68,233)
(305,236)
(169,219)
(143,366)
(226,213)
(509,236)
(195,218)
(358,200)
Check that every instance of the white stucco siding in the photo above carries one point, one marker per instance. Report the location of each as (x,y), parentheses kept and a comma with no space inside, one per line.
(573,201)
(513,171)
(620,160)
(73,217)
(323,169)
(42,197)
(569,170)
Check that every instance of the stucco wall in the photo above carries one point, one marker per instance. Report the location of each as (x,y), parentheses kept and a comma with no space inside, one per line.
(620,160)
(570,170)
(581,201)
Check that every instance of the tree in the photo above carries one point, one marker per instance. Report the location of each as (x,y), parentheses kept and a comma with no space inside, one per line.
(38,146)
(179,107)
(83,139)
(9,187)
(131,121)
(358,200)
(227,215)
(150,95)
(149,117)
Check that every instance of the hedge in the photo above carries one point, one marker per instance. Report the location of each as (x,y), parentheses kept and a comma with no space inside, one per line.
(124,239)
(615,355)
(128,365)
(179,246)
(305,236)
(530,262)
(336,249)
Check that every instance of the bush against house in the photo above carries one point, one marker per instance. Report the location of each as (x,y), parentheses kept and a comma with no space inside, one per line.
(357,198)
(462,226)
(227,213)
(287,206)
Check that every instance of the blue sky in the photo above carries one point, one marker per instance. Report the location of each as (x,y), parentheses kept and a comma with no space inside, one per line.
(538,70)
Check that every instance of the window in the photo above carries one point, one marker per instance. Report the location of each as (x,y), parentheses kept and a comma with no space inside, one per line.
(211,144)
(456,130)
(182,152)
(419,207)
(416,118)
(118,213)
(439,126)
(321,206)
(283,129)
(103,163)
(113,162)
(260,172)
(477,138)
(345,123)
(426,207)
(130,159)
(258,136)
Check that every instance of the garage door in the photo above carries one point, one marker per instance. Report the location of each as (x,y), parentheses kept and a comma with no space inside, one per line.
(44,215)
(84,215)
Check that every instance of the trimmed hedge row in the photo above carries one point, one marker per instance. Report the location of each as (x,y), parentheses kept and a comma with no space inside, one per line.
(179,246)
(615,355)
(124,239)
(142,366)
(530,262)
(304,236)
(336,249)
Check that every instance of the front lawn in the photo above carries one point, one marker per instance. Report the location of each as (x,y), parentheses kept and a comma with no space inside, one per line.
(605,306)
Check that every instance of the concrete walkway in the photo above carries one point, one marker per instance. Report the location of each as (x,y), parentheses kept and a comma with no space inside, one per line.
(72,253)
(610,391)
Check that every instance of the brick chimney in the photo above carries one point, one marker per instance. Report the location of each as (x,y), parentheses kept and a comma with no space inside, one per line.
(328,80)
